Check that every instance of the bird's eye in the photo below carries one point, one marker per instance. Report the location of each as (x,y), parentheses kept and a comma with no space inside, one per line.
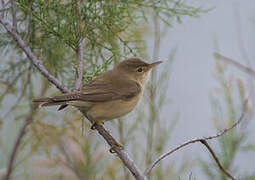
(139,69)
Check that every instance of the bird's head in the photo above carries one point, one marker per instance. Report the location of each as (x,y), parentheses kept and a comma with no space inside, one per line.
(137,69)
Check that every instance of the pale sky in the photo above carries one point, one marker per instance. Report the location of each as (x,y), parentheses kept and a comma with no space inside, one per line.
(192,78)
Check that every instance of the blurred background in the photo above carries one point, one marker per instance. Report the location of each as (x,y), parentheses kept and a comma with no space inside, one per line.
(193,94)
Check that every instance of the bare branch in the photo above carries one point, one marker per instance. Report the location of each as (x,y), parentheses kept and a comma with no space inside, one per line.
(14,19)
(34,60)
(20,136)
(149,169)
(122,154)
(235,63)
(245,109)
(204,142)
(79,51)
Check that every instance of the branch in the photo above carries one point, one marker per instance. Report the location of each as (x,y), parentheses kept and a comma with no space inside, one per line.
(245,109)
(204,142)
(34,60)
(20,136)
(14,19)
(79,51)
(235,63)
(122,154)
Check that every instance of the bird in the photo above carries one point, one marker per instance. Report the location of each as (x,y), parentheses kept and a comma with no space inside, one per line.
(110,95)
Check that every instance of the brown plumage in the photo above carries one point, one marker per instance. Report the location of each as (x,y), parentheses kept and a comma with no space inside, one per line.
(112,94)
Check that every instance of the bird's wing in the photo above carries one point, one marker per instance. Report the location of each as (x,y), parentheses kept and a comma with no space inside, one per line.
(99,91)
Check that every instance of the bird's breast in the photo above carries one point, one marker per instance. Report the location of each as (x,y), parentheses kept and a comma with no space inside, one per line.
(104,111)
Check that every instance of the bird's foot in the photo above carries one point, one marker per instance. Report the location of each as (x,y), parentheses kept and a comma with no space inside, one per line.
(116,145)
(93,127)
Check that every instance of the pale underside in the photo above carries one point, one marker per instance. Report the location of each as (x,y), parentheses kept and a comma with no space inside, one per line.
(105,111)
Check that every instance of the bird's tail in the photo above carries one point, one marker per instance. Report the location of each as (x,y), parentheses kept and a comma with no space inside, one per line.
(61,100)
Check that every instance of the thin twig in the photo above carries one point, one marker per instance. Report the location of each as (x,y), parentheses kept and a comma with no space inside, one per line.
(79,73)
(14,18)
(79,51)
(235,63)
(204,142)
(245,109)
(23,91)
(20,136)
(154,117)
(243,50)
(121,153)
(27,21)
(149,169)
(34,60)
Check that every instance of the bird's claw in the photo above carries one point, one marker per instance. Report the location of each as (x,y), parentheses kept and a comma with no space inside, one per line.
(116,145)
(93,127)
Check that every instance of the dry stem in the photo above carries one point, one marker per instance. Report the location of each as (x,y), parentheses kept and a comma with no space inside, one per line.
(122,154)
(203,141)
(78,78)
(20,136)
(235,63)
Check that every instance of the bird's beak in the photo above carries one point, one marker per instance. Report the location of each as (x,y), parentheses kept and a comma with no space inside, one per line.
(152,65)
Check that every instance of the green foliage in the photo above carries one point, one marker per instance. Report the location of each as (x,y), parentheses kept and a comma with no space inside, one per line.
(108,27)
(227,111)
(55,146)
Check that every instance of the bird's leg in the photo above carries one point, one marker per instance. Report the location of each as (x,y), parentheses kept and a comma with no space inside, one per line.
(93,127)
(116,145)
